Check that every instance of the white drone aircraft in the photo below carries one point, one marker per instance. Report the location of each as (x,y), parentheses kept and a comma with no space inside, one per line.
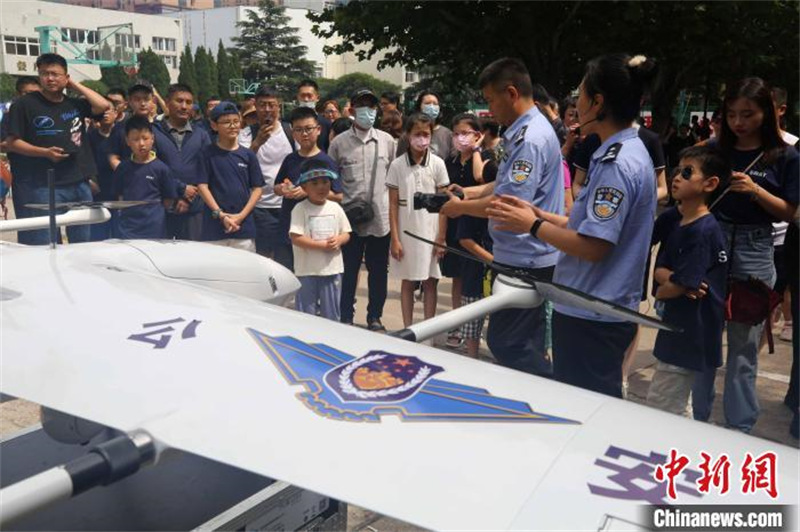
(136,335)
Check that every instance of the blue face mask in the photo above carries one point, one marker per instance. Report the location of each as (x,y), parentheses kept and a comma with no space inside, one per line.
(365,117)
(431,110)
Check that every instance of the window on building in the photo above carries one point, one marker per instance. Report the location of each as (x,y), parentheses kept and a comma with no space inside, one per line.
(79,36)
(130,41)
(411,77)
(163,44)
(170,60)
(21,45)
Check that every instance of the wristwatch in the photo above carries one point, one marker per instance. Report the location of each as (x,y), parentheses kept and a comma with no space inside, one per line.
(216,213)
(536,225)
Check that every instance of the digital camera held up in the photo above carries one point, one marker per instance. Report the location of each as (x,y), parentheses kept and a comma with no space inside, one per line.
(433,202)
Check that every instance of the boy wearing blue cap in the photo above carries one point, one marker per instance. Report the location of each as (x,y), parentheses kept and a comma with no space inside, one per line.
(319,228)
(231,185)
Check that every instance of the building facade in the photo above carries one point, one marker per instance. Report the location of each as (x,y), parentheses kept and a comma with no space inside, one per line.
(81,26)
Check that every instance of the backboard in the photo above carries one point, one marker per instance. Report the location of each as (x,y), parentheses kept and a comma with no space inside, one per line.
(106,46)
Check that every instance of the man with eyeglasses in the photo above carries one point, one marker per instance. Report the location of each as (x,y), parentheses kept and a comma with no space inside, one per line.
(308,96)
(231,186)
(271,140)
(119,99)
(46,130)
(306,130)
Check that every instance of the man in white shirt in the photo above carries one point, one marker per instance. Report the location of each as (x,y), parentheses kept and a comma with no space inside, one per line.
(271,143)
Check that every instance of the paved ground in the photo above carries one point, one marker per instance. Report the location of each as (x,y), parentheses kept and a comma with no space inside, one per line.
(772,382)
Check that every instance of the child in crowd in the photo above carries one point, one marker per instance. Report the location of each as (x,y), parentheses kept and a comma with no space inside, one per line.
(473,235)
(691,274)
(417,170)
(319,229)
(231,185)
(142,177)
(306,131)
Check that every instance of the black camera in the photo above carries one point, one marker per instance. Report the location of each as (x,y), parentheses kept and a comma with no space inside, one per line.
(433,202)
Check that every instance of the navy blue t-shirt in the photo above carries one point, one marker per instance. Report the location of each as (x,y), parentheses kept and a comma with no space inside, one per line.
(472,271)
(100,149)
(148,181)
(290,169)
(779,178)
(119,145)
(695,253)
(665,224)
(231,176)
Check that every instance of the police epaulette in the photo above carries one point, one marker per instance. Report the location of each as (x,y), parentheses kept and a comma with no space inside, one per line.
(611,152)
(521,135)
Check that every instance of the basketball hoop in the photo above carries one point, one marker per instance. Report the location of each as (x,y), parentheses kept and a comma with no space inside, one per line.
(131,71)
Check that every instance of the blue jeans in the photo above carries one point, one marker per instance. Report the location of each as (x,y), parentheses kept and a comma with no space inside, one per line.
(752,256)
(38,194)
(320,294)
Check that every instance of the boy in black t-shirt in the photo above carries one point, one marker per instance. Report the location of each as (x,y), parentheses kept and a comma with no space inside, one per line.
(46,131)
(473,235)
(691,274)
(142,177)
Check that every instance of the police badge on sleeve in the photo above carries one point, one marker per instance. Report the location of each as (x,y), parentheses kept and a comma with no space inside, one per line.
(606,202)
(520,171)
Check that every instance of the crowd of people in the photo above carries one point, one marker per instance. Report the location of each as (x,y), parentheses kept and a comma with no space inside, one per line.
(567,192)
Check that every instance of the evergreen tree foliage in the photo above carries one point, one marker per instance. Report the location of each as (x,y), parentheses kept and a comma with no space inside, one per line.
(202,67)
(187,74)
(153,69)
(224,71)
(115,78)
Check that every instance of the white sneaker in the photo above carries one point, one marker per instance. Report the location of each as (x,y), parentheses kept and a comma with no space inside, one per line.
(786,333)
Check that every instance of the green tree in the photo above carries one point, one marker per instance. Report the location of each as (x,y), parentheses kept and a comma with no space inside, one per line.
(269,49)
(187,74)
(341,88)
(205,84)
(153,69)
(8,87)
(224,71)
(115,77)
(694,42)
(96,85)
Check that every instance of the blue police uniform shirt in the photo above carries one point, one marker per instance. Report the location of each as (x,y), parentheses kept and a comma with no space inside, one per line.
(231,176)
(695,253)
(290,171)
(617,205)
(143,181)
(530,170)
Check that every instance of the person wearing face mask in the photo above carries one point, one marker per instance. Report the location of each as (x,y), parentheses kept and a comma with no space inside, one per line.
(442,139)
(530,169)
(363,154)
(604,243)
(308,96)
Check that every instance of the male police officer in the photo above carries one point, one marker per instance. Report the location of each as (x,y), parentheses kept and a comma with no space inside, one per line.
(530,169)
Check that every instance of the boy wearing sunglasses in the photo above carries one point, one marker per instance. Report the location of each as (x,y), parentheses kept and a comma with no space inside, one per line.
(691,273)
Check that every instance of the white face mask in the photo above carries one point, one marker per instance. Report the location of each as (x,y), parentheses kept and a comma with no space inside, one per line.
(310,105)
(365,117)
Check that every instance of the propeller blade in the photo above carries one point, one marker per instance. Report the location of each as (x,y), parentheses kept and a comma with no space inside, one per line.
(565,295)
(92,204)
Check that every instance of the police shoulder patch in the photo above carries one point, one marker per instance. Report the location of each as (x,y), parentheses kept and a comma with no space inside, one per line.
(607,201)
(611,153)
(520,171)
(521,135)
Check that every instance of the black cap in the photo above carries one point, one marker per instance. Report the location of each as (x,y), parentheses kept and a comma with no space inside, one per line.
(223,108)
(140,86)
(364,94)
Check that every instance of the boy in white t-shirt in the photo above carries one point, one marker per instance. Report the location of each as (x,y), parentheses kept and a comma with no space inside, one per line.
(319,229)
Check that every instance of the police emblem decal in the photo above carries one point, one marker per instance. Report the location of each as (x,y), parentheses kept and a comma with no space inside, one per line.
(380,377)
(520,171)
(339,386)
(606,202)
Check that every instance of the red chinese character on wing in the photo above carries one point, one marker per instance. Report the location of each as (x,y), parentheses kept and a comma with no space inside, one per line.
(675,464)
(760,474)
(715,474)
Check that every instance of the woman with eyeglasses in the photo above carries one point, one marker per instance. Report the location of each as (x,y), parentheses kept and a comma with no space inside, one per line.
(606,238)
(764,189)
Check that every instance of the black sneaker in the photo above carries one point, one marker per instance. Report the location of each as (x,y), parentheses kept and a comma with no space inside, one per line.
(375,325)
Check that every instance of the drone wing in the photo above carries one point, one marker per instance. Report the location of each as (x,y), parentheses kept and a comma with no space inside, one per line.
(92,204)
(409,431)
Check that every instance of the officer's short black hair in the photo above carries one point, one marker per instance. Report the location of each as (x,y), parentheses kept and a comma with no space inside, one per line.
(393,97)
(309,83)
(51,59)
(490,125)
(138,123)
(712,163)
(418,118)
(179,87)
(118,91)
(25,80)
(507,71)
(340,125)
(622,80)
(265,91)
(301,113)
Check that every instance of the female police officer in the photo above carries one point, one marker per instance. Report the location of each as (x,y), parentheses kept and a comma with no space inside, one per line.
(606,238)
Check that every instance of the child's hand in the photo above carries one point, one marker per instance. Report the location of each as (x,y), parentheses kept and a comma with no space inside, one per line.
(397,250)
(295,193)
(700,293)
(333,244)
(189,193)
(437,251)
(230,224)
(181,207)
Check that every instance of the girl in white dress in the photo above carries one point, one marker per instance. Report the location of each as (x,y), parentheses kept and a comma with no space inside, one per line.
(418,170)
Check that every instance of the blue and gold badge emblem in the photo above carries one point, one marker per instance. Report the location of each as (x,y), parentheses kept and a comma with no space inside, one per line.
(520,171)
(343,387)
(606,202)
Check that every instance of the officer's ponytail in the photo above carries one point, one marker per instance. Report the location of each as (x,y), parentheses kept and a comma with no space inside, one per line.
(622,80)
